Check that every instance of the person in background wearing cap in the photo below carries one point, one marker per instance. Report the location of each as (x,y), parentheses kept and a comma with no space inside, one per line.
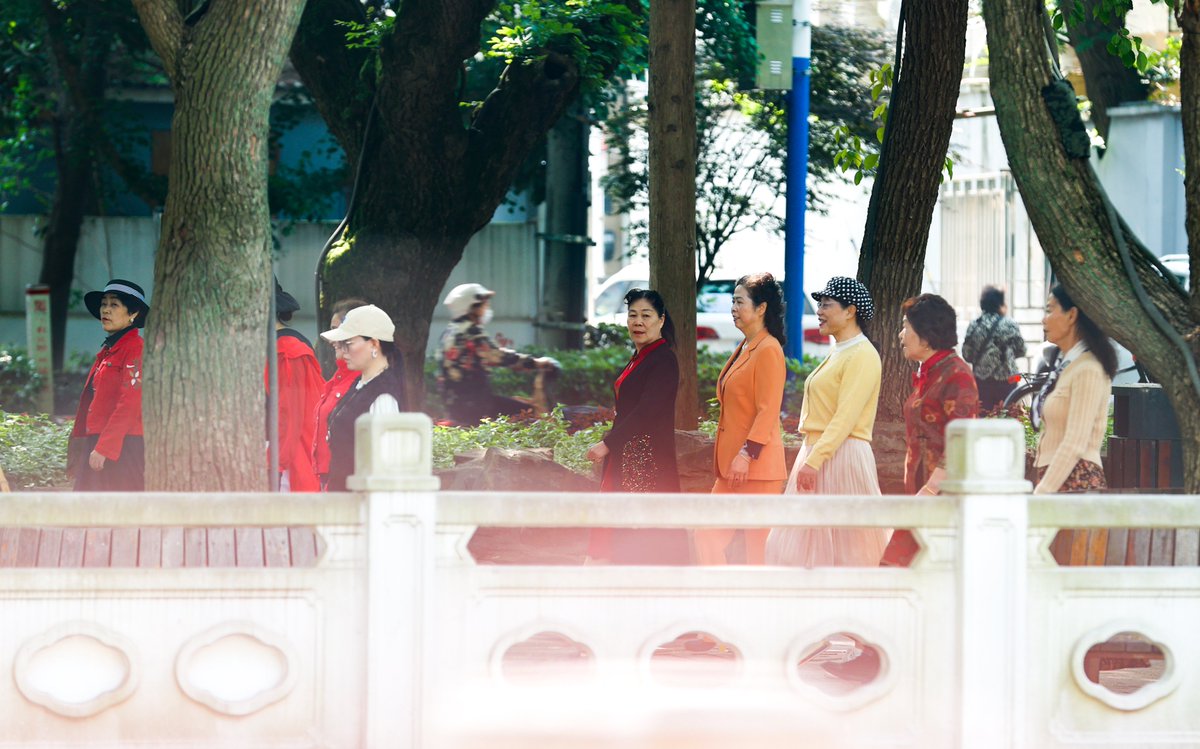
(107,452)
(748,452)
(466,355)
(335,387)
(364,341)
(838,416)
(300,387)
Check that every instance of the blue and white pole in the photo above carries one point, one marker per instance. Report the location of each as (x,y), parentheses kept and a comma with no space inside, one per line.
(797,175)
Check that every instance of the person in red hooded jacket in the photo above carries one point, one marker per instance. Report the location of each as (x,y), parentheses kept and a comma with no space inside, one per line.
(107,452)
(336,386)
(300,386)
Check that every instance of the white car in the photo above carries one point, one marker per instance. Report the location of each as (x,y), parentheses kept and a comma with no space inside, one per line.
(714,319)
(1180,267)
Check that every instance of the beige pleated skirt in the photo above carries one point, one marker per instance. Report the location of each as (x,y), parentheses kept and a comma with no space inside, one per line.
(849,471)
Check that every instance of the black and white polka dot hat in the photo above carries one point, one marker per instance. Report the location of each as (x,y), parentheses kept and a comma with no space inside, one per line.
(848,291)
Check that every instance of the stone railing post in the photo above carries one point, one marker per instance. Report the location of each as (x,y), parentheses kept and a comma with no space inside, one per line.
(985,467)
(394,466)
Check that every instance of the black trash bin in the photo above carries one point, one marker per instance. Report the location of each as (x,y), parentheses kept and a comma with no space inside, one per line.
(1144,451)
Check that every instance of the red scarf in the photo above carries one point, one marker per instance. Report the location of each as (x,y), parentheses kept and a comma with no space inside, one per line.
(920,378)
(634,362)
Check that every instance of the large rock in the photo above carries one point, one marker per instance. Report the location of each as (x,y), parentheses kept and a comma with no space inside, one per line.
(500,469)
(695,451)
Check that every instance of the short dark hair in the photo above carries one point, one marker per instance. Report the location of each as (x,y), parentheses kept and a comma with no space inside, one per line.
(342,306)
(933,320)
(992,299)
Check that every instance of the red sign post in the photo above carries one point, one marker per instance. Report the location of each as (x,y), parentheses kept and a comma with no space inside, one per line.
(37,333)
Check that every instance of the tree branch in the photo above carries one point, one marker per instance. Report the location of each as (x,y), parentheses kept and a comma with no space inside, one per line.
(530,97)
(164,26)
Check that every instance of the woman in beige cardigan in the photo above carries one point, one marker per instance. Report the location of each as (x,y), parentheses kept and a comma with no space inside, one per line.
(1072,408)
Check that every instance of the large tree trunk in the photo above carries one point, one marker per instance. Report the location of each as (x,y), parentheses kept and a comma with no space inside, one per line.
(208,327)
(672,169)
(564,297)
(80,56)
(436,172)
(73,194)
(1110,82)
(1188,15)
(920,118)
(1067,208)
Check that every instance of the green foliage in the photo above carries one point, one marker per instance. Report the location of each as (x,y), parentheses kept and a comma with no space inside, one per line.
(33,450)
(1157,65)
(853,154)
(737,170)
(369,34)
(588,375)
(20,382)
(554,432)
(527,30)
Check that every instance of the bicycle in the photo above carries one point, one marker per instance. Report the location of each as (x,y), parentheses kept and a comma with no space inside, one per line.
(1029,384)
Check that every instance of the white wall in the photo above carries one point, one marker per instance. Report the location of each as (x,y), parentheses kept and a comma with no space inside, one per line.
(1142,172)
(503,257)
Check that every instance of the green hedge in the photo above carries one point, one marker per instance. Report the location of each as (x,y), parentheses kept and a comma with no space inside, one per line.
(20,382)
(588,375)
(569,444)
(33,450)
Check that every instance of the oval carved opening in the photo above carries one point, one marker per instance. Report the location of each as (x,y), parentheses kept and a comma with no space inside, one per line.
(840,663)
(1124,663)
(695,659)
(547,655)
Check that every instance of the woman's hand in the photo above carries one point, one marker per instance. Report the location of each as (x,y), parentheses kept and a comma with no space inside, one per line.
(739,469)
(806,480)
(96,461)
(598,451)
(934,484)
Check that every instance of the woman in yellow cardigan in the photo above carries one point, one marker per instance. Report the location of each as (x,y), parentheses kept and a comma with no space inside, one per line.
(748,455)
(837,418)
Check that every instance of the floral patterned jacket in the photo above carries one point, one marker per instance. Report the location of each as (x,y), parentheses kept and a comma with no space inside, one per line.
(945,391)
(465,354)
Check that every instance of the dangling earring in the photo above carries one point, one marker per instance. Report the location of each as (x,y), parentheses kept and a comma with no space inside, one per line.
(374,353)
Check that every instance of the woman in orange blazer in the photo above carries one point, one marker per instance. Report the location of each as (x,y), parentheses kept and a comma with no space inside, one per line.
(748,455)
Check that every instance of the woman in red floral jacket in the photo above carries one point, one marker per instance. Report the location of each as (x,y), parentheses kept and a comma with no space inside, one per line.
(107,452)
(943,390)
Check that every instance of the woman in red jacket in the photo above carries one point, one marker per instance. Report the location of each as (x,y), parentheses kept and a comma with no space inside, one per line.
(335,387)
(300,387)
(107,452)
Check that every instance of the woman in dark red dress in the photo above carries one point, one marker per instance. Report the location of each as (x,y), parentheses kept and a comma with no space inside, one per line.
(639,451)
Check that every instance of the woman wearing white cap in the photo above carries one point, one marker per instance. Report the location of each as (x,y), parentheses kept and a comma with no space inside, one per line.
(364,341)
(107,452)
(466,356)
(837,419)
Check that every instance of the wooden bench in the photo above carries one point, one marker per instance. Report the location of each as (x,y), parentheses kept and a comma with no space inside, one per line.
(157,547)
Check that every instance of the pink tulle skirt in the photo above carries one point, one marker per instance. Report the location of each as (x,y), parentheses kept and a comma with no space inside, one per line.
(849,471)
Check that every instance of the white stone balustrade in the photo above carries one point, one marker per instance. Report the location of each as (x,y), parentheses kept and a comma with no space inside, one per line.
(397,638)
